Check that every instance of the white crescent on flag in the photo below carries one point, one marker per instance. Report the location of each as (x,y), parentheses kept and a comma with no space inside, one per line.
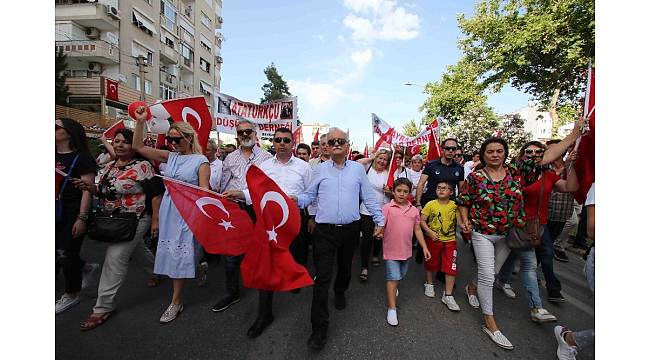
(189,111)
(201,202)
(276,197)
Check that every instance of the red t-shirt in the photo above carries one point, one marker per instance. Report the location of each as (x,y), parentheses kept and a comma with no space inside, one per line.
(531,196)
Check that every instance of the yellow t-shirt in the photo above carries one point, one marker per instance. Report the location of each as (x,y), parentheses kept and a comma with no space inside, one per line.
(441,219)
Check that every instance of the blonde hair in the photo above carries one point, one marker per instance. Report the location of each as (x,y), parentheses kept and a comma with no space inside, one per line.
(187,130)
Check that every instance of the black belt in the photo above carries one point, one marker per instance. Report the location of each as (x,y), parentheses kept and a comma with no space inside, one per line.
(337,226)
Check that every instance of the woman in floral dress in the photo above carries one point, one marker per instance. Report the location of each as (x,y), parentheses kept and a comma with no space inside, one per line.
(490,203)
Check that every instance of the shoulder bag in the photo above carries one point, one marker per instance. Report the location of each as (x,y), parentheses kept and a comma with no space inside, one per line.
(530,236)
(112,228)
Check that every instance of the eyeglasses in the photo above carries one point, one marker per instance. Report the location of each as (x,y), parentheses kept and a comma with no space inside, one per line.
(450,148)
(173,139)
(458,155)
(537,151)
(286,140)
(336,142)
(245,132)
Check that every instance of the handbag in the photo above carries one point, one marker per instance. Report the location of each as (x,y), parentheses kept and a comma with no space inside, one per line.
(530,236)
(58,204)
(112,228)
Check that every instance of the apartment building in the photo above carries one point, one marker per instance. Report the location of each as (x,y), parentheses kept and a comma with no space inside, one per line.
(536,122)
(179,40)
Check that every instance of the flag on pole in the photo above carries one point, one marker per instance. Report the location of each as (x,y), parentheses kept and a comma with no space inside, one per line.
(435,151)
(392,170)
(268,264)
(110,132)
(316,134)
(385,140)
(585,165)
(218,224)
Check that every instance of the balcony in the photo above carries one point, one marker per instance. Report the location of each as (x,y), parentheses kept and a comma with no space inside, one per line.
(168,55)
(168,79)
(188,64)
(186,88)
(88,14)
(98,51)
(168,25)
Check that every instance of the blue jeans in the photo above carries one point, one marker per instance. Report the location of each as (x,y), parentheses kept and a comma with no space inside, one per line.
(545,256)
(527,274)
(396,269)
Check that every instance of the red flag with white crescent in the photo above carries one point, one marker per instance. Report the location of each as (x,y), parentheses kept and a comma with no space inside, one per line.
(268,264)
(110,132)
(111,90)
(218,224)
(392,170)
(192,110)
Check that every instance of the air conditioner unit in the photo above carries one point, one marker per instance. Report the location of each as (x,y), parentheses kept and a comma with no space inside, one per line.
(92,33)
(219,59)
(94,67)
(112,12)
(220,19)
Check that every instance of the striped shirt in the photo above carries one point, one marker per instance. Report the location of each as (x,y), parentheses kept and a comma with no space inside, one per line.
(235,166)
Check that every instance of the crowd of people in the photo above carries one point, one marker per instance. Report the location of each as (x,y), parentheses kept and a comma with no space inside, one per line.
(345,205)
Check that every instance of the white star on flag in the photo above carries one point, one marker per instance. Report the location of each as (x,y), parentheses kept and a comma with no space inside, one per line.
(226,224)
(273,236)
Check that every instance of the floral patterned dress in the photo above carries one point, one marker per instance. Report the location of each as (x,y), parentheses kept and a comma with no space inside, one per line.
(495,208)
(122,187)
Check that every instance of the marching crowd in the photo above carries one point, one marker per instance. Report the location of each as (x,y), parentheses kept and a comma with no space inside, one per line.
(510,211)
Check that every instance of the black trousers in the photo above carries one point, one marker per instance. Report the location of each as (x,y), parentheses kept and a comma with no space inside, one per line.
(330,243)
(72,262)
(368,241)
(232,262)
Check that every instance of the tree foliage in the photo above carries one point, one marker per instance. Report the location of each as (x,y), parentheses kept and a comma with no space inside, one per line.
(457,92)
(60,88)
(539,46)
(276,88)
(411,128)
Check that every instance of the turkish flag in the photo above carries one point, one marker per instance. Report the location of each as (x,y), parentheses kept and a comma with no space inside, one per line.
(316,135)
(193,110)
(111,90)
(585,165)
(365,151)
(435,151)
(386,137)
(110,132)
(217,223)
(268,264)
(392,170)
(297,134)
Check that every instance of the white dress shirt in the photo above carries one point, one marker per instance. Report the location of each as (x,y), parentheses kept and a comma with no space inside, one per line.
(293,177)
(215,174)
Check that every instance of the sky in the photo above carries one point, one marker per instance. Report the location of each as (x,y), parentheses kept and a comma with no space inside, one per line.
(345,59)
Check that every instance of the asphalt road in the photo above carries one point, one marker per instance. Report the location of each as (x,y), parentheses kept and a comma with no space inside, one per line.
(427,329)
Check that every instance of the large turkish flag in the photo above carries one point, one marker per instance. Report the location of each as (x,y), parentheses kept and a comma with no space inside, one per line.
(111,90)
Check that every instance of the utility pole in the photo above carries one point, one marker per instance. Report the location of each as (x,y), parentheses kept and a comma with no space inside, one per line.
(141,65)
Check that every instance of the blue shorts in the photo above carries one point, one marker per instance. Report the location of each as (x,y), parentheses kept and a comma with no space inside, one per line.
(396,269)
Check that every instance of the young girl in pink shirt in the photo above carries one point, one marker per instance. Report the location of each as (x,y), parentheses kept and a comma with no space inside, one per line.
(402,220)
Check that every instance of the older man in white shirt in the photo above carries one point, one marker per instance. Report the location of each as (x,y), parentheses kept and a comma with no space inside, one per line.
(292,175)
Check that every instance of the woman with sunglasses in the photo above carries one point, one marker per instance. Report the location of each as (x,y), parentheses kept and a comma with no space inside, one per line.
(551,181)
(128,185)
(491,202)
(377,173)
(178,253)
(73,158)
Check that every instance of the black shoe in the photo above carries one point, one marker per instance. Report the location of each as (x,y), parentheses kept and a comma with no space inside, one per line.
(560,255)
(225,303)
(259,326)
(296,291)
(339,301)
(317,339)
(555,296)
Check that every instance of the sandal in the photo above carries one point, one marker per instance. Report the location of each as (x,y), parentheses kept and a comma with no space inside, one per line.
(94,321)
(154,281)
(364,275)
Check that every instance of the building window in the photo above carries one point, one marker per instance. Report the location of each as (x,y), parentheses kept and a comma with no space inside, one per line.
(138,50)
(205,20)
(187,53)
(135,82)
(169,42)
(205,43)
(148,1)
(142,23)
(169,15)
(147,87)
(204,65)
(167,92)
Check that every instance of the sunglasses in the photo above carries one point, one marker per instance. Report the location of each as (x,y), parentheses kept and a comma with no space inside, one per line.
(451,148)
(173,139)
(537,152)
(245,132)
(458,155)
(336,142)
(278,140)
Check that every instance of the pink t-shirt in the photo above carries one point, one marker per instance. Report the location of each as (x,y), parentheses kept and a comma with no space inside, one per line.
(399,230)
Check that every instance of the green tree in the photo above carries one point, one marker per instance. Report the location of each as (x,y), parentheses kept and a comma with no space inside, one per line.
(511,128)
(538,46)
(276,88)
(60,88)
(471,128)
(456,93)
(412,128)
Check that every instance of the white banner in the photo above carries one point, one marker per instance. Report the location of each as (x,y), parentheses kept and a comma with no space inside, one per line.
(228,111)
(380,127)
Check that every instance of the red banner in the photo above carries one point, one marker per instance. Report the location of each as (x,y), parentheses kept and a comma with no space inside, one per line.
(111,90)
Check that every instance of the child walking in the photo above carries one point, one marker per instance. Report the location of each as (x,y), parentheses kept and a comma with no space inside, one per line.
(439,219)
(402,220)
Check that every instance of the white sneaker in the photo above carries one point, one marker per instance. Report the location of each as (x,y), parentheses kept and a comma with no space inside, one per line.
(450,302)
(506,288)
(541,315)
(428,290)
(472,299)
(171,313)
(65,303)
(498,338)
(88,274)
(391,317)
(564,350)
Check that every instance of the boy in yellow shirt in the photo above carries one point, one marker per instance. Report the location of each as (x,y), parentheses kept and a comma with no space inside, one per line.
(438,220)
